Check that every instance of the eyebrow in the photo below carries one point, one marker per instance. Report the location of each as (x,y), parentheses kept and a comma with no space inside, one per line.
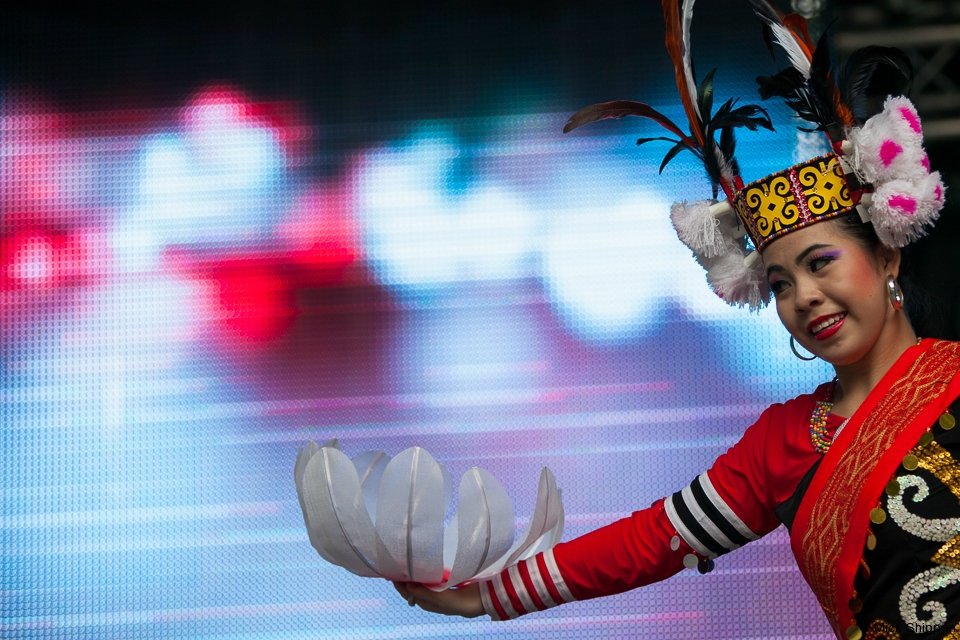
(803,254)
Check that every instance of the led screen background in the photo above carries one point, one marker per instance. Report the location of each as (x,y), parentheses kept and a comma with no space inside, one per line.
(229,232)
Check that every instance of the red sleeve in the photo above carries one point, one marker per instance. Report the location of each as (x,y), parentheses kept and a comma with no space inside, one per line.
(721,510)
(624,555)
(621,556)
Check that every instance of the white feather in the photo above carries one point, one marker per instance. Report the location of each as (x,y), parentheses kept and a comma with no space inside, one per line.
(726,170)
(686,21)
(784,37)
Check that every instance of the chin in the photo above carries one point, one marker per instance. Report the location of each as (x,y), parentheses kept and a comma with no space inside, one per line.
(843,353)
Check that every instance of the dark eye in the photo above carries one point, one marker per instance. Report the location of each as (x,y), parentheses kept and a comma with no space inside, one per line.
(819,263)
(778,286)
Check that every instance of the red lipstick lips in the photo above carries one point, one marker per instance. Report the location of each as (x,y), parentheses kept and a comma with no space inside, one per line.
(829,331)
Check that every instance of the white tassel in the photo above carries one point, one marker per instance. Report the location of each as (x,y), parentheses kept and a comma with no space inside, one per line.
(714,234)
(698,228)
(737,284)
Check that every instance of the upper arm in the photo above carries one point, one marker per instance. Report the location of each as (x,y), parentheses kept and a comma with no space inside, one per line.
(732,503)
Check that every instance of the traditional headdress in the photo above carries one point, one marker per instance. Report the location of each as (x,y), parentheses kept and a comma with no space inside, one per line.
(877,166)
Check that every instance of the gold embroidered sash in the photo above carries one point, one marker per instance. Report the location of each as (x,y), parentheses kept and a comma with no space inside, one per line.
(831,524)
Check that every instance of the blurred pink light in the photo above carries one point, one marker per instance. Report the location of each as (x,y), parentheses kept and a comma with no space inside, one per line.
(38,258)
(221,105)
(32,261)
(320,236)
(251,295)
(252,302)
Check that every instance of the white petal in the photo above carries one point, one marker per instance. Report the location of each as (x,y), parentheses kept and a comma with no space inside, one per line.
(486,525)
(547,515)
(303,457)
(410,512)
(370,466)
(339,525)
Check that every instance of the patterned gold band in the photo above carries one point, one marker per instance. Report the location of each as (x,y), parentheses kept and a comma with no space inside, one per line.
(807,193)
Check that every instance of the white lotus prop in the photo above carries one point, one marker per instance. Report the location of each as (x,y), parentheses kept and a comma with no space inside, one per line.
(382,517)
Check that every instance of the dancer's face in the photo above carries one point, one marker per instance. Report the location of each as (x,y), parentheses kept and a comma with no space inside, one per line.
(831,292)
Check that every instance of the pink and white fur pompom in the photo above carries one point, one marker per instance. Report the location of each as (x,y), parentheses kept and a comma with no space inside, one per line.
(888,153)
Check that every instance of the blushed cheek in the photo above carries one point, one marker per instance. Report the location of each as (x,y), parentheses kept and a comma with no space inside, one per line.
(864,278)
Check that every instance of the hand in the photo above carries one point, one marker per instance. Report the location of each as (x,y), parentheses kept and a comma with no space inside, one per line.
(452,602)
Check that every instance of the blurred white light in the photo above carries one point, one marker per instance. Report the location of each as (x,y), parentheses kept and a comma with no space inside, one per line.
(421,233)
(218,180)
(611,269)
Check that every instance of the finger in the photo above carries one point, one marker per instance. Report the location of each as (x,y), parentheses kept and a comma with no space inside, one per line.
(459,602)
(417,590)
(402,589)
(418,595)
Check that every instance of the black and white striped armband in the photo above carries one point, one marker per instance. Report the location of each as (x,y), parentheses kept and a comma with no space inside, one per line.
(705,521)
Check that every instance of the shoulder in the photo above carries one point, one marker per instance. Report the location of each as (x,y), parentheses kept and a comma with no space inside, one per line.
(786,417)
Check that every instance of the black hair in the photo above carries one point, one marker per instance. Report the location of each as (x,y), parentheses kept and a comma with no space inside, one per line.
(916,301)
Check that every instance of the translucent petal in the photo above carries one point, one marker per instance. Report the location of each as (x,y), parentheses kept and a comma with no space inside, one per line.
(450,542)
(400,536)
(370,466)
(410,510)
(337,518)
(550,538)
(547,515)
(485,525)
(303,457)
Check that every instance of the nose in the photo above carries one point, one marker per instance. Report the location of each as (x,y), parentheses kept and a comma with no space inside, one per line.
(807,295)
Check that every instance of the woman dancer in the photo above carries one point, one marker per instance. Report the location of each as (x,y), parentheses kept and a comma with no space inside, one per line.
(865,471)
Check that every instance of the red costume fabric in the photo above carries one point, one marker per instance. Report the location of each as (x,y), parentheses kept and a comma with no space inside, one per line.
(722,509)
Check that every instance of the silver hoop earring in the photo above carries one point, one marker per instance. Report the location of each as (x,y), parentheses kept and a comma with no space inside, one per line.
(896,293)
(793,347)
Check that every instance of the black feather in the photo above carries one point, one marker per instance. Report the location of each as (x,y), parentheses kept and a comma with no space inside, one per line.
(728,145)
(712,164)
(641,141)
(705,96)
(821,82)
(677,148)
(811,100)
(782,85)
(750,116)
(768,39)
(873,72)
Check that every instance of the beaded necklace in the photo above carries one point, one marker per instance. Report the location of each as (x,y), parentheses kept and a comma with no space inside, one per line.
(820,415)
(818,421)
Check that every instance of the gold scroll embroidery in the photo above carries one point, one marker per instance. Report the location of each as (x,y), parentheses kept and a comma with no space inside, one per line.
(772,206)
(824,187)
